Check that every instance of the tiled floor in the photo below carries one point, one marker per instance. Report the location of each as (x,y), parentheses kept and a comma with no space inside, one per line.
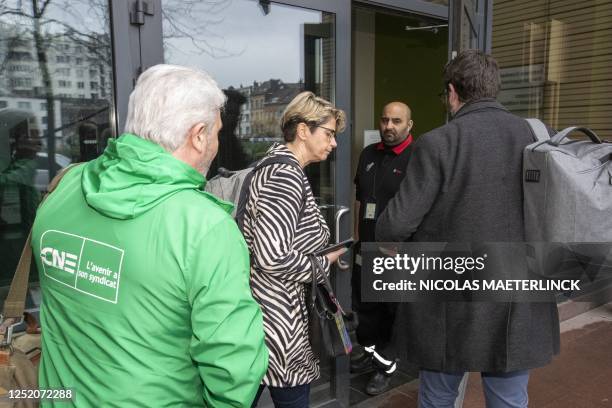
(580,377)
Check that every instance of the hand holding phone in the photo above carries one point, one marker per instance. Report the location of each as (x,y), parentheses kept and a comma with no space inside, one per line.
(334,247)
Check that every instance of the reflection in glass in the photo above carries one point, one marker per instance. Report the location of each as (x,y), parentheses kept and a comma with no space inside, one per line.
(55,99)
(555,61)
(262,58)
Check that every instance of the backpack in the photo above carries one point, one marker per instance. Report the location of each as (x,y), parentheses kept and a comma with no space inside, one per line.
(235,186)
(567,187)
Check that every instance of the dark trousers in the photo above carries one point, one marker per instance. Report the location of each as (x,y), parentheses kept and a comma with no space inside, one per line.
(376,319)
(375,324)
(287,397)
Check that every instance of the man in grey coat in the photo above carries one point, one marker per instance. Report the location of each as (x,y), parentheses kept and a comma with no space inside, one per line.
(463,184)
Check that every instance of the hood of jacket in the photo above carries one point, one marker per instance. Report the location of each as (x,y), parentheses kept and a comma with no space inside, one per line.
(134,175)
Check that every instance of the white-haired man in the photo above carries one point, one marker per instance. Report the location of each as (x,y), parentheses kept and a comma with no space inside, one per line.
(145,277)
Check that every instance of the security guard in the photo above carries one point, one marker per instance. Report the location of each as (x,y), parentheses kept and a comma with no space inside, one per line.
(379,174)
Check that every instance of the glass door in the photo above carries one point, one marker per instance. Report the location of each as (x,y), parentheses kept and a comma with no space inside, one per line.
(57,105)
(263,54)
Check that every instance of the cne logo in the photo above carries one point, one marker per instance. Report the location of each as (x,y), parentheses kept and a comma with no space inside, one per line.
(87,266)
(62,260)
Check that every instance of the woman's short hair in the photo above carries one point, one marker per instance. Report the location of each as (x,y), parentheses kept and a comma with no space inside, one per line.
(308,108)
(168,100)
(474,74)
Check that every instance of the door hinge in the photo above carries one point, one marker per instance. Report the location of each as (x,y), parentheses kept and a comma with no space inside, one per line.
(140,8)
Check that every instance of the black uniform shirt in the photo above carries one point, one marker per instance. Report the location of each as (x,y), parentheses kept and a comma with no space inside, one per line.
(379,174)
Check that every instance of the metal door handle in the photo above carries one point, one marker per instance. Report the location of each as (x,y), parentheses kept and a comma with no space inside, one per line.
(343,210)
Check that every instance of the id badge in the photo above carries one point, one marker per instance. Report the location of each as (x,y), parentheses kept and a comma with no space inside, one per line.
(370,211)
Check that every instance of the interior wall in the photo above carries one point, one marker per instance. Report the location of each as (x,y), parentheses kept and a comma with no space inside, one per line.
(409,67)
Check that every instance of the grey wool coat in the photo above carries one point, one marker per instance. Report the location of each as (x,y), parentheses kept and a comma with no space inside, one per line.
(463,184)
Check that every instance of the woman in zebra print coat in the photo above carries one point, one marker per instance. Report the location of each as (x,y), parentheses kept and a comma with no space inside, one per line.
(283,224)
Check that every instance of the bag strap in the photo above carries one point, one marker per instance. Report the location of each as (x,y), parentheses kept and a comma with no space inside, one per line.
(287,160)
(245,190)
(316,266)
(313,291)
(14,304)
(558,138)
(282,160)
(540,132)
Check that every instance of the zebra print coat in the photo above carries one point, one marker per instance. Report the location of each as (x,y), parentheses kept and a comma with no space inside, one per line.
(279,235)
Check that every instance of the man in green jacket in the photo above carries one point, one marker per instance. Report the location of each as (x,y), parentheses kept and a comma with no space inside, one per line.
(146,298)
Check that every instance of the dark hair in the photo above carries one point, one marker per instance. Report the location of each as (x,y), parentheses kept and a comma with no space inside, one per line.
(474,75)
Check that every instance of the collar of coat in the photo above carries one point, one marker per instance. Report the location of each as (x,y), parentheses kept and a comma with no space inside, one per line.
(479,105)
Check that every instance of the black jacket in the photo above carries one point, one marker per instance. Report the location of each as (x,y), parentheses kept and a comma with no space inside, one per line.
(379,174)
(463,184)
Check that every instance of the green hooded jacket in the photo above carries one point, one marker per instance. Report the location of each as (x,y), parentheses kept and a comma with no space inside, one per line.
(145,282)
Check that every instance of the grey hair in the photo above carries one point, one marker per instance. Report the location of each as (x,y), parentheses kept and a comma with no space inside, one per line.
(168,100)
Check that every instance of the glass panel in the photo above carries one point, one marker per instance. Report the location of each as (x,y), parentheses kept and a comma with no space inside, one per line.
(262,55)
(555,61)
(55,104)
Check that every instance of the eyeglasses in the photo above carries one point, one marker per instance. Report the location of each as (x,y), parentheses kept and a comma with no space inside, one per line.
(331,133)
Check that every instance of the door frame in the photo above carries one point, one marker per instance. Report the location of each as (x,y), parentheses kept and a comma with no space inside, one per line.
(421,7)
(133,49)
